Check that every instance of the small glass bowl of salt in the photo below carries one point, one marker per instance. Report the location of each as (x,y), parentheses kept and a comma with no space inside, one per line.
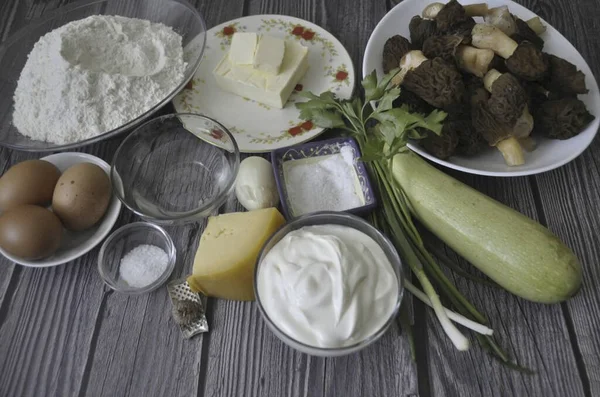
(137,258)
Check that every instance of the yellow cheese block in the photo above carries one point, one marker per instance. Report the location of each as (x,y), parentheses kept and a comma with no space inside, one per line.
(228,250)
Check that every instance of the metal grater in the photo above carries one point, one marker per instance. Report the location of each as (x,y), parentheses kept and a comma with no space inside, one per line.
(189,308)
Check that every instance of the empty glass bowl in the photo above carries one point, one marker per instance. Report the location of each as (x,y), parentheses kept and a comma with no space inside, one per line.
(178,14)
(176,169)
(124,240)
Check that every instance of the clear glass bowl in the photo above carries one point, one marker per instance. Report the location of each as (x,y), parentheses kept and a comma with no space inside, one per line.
(331,218)
(178,14)
(121,242)
(176,168)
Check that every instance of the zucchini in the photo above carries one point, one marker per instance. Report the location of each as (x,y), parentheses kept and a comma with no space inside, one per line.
(515,251)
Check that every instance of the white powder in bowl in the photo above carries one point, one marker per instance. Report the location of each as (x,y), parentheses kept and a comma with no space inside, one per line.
(143,265)
(93,75)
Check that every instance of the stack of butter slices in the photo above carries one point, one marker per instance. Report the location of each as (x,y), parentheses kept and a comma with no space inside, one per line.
(262,67)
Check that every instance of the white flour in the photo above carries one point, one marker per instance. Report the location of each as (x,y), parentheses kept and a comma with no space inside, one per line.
(93,75)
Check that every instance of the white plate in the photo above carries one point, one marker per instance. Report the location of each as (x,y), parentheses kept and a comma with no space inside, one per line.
(549,154)
(257,127)
(75,244)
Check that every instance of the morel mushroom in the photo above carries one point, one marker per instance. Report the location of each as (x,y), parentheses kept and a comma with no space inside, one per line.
(525,33)
(434,80)
(473,60)
(470,142)
(524,60)
(420,30)
(508,102)
(450,19)
(444,145)
(452,14)
(442,46)
(414,102)
(394,49)
(495,132)
(564,78)
(562,118)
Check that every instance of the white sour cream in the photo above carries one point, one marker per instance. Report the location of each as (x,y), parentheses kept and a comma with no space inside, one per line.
(327,286)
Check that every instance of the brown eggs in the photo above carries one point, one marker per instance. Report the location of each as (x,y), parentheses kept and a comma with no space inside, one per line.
(30,232)
(29,182)
(81,196)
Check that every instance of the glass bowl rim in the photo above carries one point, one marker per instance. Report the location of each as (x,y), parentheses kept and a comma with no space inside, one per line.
(171,252)
(133,123)
(386,246)
(218,200)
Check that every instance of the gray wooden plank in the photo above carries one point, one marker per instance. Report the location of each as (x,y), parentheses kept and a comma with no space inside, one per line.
(569,197)
(46,332)
(536,336)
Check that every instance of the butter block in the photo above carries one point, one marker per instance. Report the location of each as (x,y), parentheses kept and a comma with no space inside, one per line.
(243,48)
(228,250)
(272,90)
(269,54)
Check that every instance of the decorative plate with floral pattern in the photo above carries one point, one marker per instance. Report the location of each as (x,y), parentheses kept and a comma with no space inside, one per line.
(258,127)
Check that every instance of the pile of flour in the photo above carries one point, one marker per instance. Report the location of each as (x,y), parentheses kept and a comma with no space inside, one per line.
(96,74)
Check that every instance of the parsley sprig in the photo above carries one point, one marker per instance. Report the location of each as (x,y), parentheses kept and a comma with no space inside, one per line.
(393,126)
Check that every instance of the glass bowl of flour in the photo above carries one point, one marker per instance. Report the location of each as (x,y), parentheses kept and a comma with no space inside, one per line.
(94,69)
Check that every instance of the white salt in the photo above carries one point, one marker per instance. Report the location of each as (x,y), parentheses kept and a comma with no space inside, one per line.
(143,265)
(324,183)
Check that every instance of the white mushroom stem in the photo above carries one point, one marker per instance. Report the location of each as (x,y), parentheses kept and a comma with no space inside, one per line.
(431,11)
(476,10)
(536,25)
(412,60)
(524,124)
(511,151)
(474,60)
(490,37)
(501,18)
(490,78)
(528,143)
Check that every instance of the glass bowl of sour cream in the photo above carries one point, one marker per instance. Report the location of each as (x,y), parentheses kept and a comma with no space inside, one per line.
(328,284)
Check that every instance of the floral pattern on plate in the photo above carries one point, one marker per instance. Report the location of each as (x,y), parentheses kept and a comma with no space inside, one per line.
(258,127)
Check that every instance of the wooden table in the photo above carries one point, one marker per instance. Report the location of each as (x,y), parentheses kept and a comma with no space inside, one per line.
(64,333)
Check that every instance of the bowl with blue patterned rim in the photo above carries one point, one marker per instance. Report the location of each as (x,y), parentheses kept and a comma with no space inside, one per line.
(313,152)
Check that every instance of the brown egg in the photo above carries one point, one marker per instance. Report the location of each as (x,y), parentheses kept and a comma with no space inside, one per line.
(81,196)
(30,232)
(29,182)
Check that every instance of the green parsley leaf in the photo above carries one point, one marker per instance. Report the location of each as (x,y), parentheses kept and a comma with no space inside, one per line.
(372,150)
(323,118)
(369,84)
(388,130)
(387,100)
